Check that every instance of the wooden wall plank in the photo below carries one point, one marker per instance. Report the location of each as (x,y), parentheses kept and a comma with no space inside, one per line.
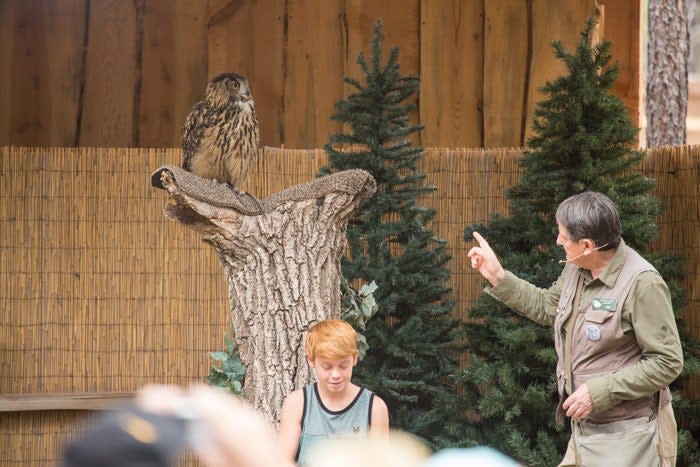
(401,29)
(7,70)
(64,401)
(451,69)
(174,69)
(66,22)
(506,38)
(111,77)
(249,40)
(27,123)
(563,22)
(314,71)
(191,42)
(218,43)
(623,27)
(40,89)
(156,110)
(133,77)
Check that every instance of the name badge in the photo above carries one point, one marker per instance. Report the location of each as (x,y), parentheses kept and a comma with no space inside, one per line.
(608,304)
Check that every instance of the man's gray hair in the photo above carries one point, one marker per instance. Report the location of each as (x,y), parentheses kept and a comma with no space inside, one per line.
(591,215)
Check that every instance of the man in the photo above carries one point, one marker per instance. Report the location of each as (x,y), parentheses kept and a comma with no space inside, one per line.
(615,335)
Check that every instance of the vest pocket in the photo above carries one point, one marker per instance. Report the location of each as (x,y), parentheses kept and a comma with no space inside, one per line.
(598,316)
(626,443)
(597,331)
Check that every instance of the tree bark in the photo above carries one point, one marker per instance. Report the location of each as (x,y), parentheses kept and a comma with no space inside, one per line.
(667,75)
(282,261)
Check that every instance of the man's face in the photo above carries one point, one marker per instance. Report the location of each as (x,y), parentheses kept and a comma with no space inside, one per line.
(572,248)
(333,373)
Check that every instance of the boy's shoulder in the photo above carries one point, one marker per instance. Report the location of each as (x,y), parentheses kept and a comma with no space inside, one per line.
(369,391)
(296,397)
(293,404)
(297,394)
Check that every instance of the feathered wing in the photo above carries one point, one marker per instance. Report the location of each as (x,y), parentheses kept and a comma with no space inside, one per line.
(192,133)
(236,169)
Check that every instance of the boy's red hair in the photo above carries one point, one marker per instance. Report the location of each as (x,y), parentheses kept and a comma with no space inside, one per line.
(331,338)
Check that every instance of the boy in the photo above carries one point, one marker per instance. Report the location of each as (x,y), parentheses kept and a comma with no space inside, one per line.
(334,405)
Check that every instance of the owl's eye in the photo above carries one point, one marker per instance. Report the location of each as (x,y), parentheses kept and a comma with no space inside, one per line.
(236,84)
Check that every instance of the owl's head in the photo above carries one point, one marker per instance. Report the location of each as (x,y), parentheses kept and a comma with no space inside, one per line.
(227,88)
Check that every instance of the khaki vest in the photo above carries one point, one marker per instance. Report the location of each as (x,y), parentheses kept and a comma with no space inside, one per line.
(599,345)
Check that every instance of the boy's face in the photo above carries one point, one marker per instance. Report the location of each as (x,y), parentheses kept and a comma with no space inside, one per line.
(333,373)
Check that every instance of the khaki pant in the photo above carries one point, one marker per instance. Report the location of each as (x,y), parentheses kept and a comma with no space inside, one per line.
(666,437)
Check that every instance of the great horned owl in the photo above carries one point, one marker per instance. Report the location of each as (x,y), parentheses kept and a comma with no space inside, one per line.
(220,137)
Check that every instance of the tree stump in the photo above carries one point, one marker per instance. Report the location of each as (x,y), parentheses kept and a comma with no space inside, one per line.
(282,260)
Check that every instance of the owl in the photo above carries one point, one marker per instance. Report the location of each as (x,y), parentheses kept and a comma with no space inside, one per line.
(221,135)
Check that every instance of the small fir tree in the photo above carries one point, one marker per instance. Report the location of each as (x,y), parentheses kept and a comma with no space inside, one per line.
(412,353)
(583,140)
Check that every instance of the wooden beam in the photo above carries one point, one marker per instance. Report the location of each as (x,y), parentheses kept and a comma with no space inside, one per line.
(249,41)
(314,70)
(506,77)
(452,73)
(63,401)
(623,27)
(112,71)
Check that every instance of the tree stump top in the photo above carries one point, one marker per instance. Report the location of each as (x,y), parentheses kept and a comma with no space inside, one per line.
(177,180)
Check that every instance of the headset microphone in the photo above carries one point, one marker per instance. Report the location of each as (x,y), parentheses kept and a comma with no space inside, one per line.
(562,261)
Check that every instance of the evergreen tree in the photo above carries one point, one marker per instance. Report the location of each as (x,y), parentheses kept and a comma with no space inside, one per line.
(412,352)
(583,139)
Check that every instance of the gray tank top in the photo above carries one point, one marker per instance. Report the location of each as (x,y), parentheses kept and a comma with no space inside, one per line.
(319,423)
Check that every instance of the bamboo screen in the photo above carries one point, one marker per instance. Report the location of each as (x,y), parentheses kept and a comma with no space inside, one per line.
(99,292)
(677,174)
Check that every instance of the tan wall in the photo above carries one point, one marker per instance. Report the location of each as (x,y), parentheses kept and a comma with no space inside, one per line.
(693,118)
(126,73)
(99,292)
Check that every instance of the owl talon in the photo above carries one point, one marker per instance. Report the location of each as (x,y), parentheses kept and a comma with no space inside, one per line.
(241,194)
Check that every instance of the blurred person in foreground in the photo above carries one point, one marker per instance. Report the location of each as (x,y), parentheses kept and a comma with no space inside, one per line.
(165,421)
(400,449)
(333,406)
(615,336)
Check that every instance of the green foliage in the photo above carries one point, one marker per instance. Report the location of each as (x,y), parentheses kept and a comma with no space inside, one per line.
(356,307)
(583,139)
(230,372)
(412,351)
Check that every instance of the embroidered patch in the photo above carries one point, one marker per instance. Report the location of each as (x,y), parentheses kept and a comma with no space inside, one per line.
(593,333)
(608,304)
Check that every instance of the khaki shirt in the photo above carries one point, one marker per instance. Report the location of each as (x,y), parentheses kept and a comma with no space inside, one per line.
(647,313)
